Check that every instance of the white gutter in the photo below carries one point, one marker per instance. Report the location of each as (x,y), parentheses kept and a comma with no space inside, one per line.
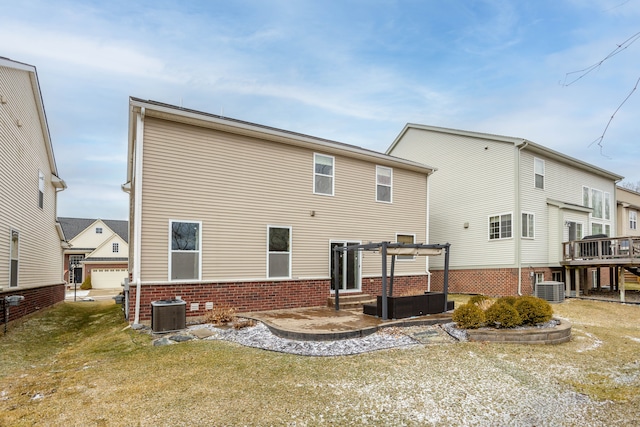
(518,216)
(427,236)
(137,205)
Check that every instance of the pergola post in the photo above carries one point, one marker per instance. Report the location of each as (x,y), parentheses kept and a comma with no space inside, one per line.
(336,284)
(384,281)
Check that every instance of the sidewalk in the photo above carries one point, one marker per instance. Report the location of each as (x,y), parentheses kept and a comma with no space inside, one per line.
(92,294)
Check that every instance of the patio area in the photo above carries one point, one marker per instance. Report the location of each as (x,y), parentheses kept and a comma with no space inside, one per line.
(325,323)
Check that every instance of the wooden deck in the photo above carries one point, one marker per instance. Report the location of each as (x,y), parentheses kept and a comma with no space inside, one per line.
(602,252)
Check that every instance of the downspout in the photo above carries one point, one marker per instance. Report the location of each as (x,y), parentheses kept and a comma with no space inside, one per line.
(518,216)
(137,214)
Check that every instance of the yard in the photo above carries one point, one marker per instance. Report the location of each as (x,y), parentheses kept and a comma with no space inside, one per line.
(78,364)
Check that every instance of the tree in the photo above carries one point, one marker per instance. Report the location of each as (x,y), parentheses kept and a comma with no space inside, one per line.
(574,76)
(633,186)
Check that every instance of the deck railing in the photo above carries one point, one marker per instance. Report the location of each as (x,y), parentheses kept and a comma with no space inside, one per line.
(606,248)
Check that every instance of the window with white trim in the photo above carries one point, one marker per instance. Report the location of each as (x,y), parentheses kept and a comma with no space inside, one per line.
(596,228)
(633,220)
(539,277)
(98,230)
(500,227)
(607,206)
(596,203)
(528,225)
(384,184)
(538,166)
(184,250)
(323,174)
(115,248)
(407,239)
(40,189)
(586,191)
(278,251)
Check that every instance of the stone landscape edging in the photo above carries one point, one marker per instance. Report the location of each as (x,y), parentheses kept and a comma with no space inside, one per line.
(558,335)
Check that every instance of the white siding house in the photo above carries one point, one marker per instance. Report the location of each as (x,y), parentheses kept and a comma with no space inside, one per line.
(506,204)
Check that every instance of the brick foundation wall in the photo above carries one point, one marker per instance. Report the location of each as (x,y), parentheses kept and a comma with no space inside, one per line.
(255,296)
(493,282)
(35,299)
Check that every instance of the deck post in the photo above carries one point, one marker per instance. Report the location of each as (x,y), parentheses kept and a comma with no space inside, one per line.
(393,267)
(621,283)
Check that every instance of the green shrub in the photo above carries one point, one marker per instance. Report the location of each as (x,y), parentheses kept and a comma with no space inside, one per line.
(86,285)
(502,315)
(468,316)
(511,300)
(533,310)
(477,299)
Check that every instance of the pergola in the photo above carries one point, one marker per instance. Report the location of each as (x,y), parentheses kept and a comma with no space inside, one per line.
(392,249)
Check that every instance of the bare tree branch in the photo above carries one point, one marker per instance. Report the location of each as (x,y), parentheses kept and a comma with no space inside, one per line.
(569,78)
(601,137)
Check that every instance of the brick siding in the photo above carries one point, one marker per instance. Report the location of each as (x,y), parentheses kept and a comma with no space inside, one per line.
(256,296)
(35,299)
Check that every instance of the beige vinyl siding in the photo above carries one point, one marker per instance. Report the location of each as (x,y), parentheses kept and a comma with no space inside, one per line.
(22,154)
(105,250)
(633,199)
(482,174)
(89,238)
(237,186)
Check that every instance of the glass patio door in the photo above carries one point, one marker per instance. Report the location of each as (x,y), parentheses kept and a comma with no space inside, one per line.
(348,267)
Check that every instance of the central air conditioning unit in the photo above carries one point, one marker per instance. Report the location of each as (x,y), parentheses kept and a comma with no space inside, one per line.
(550,291)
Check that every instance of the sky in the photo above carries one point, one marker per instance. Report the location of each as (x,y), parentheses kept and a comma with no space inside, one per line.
(350,71)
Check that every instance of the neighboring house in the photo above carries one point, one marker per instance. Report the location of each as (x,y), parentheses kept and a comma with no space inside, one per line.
(506,205)
(628,212)
(30,238)
(98,248)
(231,213)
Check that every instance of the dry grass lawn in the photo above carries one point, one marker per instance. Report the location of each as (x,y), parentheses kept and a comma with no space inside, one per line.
(78,364)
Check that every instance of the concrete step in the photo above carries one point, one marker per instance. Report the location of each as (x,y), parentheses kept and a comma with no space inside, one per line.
(351,301)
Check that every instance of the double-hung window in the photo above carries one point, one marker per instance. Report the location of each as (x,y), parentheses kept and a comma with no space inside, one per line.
(633,220)
(40,189)
(384,184)
(538,165)
(323,174)
(279,251)
(528,225)
(406,239)
(184,250)
(500,226)
(115,248)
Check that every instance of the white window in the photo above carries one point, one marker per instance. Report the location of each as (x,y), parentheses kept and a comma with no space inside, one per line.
(115,248)
(184,250)
(585,197)
(556,276)
(98,230)
(539,277)
(384,183)
(528,225)
(278,251)
(596,228)
(500,226)
(607,230)
(40,189)
(538,165)
(14,250)
(407,239)
(596,201)
(575,230)
(633,220)
(323,174)
(607,206)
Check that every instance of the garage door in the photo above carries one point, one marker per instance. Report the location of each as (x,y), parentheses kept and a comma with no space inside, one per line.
(108,278)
